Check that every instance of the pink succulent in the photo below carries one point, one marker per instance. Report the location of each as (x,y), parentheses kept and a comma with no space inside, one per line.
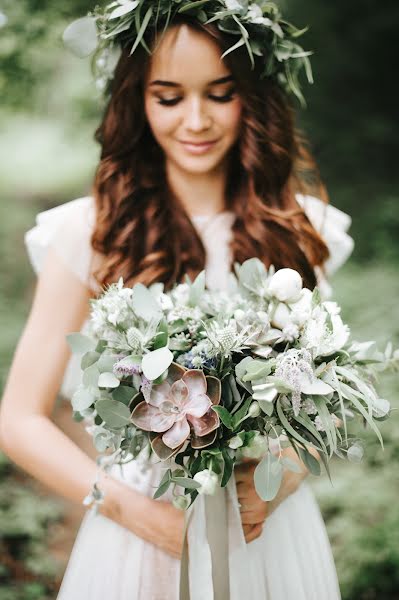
(178,405)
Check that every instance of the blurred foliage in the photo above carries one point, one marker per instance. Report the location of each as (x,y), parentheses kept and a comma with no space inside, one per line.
(49,112)
(27,570)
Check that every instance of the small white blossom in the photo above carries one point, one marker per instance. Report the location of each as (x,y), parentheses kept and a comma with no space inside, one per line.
(233,5)
(208,481)
(235,442)
(255,15)
(256,448)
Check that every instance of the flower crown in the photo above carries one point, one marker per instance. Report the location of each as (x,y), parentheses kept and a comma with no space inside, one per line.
(257,25)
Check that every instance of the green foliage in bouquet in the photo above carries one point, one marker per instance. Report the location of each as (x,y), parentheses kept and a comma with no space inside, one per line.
(209,377)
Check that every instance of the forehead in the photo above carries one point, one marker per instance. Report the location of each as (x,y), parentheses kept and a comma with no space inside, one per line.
(188,57)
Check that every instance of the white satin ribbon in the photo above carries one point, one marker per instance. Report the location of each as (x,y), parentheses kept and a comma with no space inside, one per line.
(218,561)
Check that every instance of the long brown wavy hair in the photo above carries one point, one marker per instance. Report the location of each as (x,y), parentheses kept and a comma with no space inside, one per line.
(135,206)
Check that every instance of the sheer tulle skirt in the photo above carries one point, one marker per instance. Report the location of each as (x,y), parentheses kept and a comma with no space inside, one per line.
(292,558)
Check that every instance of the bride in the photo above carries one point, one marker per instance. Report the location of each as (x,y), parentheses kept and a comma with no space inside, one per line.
(201,165)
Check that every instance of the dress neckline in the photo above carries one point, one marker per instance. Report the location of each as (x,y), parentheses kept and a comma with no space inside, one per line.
(202,218)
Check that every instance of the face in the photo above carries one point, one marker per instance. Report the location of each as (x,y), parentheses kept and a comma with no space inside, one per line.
(191,104)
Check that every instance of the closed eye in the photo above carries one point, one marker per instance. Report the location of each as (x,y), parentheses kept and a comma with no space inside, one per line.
(173,101)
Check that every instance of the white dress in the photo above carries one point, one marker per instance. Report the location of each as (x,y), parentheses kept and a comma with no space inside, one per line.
(292,558)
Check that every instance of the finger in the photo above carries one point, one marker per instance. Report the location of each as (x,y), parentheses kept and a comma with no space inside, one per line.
(251,519)
(254,533)
(246,488)
(245,472)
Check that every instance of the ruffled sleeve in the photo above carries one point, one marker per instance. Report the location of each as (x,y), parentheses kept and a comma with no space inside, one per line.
(332,224)
(67,229)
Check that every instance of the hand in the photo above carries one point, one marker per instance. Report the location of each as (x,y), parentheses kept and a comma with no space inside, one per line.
(155,521)
(253,509)
(167,524)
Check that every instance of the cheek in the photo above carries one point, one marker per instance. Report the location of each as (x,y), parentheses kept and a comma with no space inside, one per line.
(162,122)
(230,118)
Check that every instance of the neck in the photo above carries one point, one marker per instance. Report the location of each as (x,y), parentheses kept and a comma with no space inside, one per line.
(199,194)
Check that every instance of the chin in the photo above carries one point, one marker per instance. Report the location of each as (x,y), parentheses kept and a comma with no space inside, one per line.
(200,165)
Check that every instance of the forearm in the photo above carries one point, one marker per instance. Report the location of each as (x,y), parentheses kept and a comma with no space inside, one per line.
(46,453)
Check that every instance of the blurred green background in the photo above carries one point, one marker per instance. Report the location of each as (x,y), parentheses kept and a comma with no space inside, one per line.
(49,110)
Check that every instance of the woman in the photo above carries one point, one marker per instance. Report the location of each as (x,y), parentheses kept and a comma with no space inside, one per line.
(200,165)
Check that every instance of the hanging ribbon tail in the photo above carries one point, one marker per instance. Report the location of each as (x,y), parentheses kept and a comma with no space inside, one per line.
(215,564)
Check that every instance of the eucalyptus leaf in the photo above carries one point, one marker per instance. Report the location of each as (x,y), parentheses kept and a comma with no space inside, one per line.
(90,376)
(83,398)
(106,362)
(267,477)
(113,413)
(164,484)
(124,394)
(310,461)
(186,482)
(108,380)
(89,359)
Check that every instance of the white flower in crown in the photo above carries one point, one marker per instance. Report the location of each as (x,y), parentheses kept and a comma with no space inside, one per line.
(255,15)
(234,5)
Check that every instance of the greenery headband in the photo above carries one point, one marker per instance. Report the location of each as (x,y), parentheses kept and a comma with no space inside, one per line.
(257,25)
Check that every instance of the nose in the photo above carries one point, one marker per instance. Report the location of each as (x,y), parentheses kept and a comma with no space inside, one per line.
(197,117)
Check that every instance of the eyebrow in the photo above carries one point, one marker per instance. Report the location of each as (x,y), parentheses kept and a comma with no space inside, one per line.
(174,84)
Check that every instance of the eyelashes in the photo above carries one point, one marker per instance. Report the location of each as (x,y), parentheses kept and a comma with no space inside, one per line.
(221,99)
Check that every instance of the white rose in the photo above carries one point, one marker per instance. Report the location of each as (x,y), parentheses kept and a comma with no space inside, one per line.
(281,316)
(232,5)
(208,481)
(286,285)
(257,447)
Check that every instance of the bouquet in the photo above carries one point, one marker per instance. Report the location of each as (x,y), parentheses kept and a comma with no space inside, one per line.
(204,378)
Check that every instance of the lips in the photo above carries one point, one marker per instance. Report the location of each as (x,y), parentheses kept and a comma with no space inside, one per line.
(198,147)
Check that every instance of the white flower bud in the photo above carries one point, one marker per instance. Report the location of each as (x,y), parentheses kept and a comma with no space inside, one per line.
(286,285)
(235,442)
(181,502)
(254,409)
(208,481)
